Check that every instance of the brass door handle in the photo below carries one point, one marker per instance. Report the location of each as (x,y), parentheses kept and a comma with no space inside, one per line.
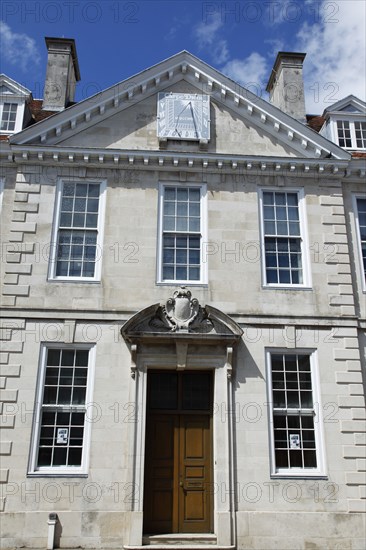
(181,483)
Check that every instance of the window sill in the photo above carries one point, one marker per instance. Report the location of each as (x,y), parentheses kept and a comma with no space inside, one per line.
(57,474)
(286,287)
(181,283)
(74,280)
(299,475)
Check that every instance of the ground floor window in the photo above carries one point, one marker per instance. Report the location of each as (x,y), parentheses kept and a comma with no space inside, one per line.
(61,423)
(295,428)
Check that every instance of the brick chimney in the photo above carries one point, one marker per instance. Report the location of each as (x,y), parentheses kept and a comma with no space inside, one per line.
(62,73)
(286,85)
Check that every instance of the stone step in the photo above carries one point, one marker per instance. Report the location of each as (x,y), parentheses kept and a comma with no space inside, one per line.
(174,545)
(180,539)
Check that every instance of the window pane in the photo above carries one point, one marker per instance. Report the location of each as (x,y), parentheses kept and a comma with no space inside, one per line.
(182,194)
(196,391)
(163,390)
(170,193)
(268,198)
(53,357)
(194,274)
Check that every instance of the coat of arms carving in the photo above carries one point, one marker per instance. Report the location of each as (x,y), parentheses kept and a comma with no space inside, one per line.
(181,310)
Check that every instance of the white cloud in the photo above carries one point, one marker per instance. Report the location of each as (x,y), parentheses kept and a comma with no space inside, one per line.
(207,36)
(18,49)
(206,33)
(335,63)
(252,72)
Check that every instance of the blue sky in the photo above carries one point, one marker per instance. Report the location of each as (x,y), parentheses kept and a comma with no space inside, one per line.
(117,39)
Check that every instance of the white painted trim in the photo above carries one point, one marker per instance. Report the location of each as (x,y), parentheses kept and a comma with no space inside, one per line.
(61,471)
(2,187)
(320,471)
(100,232)
(203,215)
(305,256)
(358,252)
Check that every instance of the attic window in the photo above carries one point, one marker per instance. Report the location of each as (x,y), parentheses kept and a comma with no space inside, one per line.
(8,117)
(351,134)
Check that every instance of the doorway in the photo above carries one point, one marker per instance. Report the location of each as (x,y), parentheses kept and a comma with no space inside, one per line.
(178,452)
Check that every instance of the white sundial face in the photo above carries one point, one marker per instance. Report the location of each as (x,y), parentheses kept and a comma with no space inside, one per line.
(183,116)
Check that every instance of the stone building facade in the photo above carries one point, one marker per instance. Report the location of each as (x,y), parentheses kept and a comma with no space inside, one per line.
(183,313)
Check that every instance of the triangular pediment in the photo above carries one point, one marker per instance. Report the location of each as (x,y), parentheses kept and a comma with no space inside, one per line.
(349,104)
(136,128)
(124,117)
(9,87)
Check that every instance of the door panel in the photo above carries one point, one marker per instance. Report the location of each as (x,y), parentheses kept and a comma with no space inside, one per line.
(159,474)
(195,474)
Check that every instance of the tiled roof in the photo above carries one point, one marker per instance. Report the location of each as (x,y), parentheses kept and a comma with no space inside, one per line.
(315,122)
(38,113)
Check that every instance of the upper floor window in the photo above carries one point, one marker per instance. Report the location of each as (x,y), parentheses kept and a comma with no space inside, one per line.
(361,230)
(283,236)
(61,427)
(295,427)
(8,117)
(181,235)
(78,231)
(351,134)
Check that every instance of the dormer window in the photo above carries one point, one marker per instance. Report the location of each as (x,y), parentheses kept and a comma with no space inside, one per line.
(351,134)
(14,105)
(8,117)
(345,123)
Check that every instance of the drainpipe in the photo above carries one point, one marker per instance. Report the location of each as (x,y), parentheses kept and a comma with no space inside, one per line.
(52,520)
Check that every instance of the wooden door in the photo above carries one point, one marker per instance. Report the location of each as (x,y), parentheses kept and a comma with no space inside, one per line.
(177,493)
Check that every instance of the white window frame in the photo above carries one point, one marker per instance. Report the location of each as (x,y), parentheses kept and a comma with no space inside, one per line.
(2,187)
(306,266)
(20,102)
(320,470)
(100,233)
(62,471)
(203,215)
(351,119)
(358,239)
